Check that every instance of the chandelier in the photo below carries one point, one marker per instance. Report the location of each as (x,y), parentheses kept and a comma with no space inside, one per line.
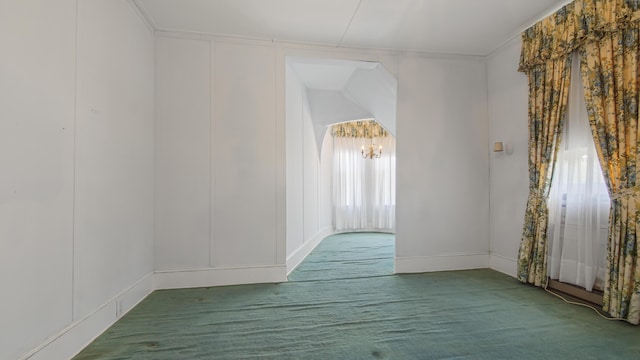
(367,129)
(372,152)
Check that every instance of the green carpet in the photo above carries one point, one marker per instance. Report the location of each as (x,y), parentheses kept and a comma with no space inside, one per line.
(343,303)
(348,256)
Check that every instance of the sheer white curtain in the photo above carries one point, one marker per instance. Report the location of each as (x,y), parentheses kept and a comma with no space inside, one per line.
(382,192)
(578,200)
(364,189)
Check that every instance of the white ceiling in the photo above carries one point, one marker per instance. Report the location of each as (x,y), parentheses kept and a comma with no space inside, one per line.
(470,27)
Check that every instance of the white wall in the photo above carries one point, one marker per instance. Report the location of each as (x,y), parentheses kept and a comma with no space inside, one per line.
(218,191)
(295,98)
(183,159)
(443,162)
(114,152)
(77,147)
(442,165)
(509,174)
(76,195)
(244,140)
(307,203)
(36,153)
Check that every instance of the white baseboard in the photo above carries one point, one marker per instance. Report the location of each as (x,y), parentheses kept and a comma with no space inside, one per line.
(372,230)
(77,335)
(296,258)
(504,265)
(80,333)
(189,278)
(419,264)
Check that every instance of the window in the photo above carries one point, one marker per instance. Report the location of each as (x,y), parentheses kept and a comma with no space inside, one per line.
(578,200)
(363,189)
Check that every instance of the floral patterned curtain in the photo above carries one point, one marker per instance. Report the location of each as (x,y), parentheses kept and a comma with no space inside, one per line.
(610,70)
(572,26)
(606,32)
(359,129)
(548,95)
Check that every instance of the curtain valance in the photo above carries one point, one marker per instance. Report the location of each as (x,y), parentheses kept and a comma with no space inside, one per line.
(359,129)
(572,26)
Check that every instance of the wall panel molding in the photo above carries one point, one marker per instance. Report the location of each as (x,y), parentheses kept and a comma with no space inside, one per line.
(77,335)
(190,278)
(504,264)
(301,253)
(450,262)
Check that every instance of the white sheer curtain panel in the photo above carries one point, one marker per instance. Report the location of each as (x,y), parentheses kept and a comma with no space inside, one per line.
(349,211)
(363,189)
(383,185)
(578,200)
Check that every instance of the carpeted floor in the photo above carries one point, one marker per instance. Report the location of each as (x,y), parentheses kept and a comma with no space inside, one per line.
(344,303)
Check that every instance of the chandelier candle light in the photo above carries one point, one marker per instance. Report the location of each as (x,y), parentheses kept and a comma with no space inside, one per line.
(372,153)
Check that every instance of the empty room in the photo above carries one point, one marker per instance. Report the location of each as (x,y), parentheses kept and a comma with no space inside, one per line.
(319,179)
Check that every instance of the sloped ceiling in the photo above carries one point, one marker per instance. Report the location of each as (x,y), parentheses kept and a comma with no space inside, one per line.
(470,27)
(342,90)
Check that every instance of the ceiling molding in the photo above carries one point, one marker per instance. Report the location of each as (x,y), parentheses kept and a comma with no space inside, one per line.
(543,14)
(143,14)
(305,46)
(402,49)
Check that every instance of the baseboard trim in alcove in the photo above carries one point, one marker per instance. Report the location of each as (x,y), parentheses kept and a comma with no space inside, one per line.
(296,258)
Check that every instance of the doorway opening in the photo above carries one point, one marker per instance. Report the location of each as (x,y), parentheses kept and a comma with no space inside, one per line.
(321,93)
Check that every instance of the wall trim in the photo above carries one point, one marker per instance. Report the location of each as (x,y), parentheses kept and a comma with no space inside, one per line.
(190,278)
(143,14)
(446,262)
(326,49)
(504,264)
(303,251)
(69,341)
(80,333)
(542,15)
(372,230)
